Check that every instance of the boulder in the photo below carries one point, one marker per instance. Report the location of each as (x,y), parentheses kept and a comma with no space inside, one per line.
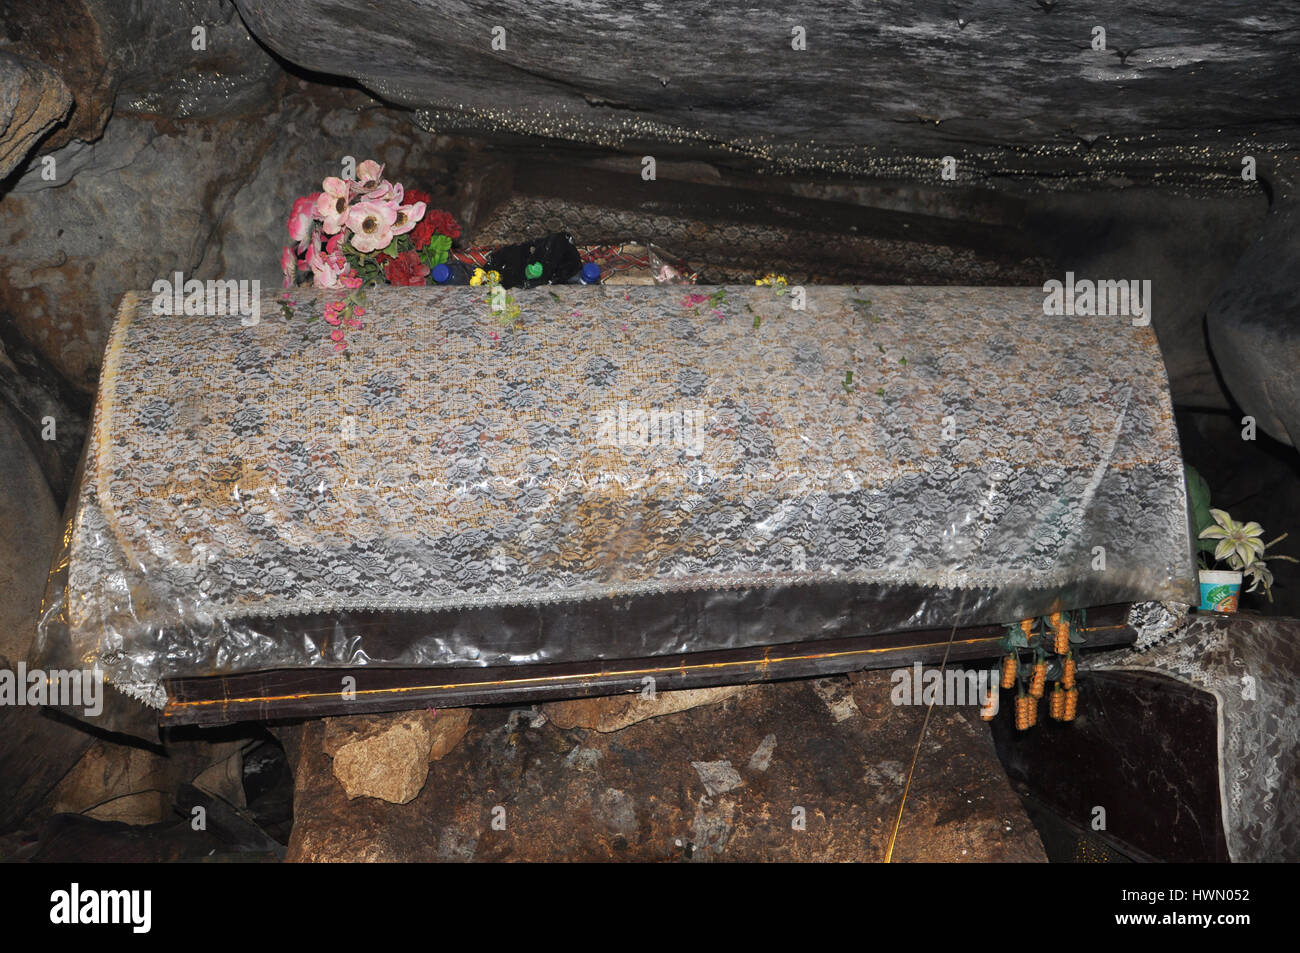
(389,764)
(386,756)
(32,100)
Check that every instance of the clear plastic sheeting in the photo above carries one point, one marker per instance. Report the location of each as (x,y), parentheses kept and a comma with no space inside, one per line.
(623,472)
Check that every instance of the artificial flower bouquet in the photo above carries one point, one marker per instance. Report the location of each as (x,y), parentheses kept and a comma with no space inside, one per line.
(360,232)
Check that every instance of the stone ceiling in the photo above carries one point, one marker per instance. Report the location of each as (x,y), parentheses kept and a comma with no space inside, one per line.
(1014,89)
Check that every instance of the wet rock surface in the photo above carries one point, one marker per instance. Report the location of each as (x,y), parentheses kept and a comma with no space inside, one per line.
(767,774)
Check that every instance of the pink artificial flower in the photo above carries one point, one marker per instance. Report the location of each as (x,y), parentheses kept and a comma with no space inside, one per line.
(300,219)
(325,268)
(288,262)
(408,216)
(337,334)
(370,175)
(341,346)
(332,311)
(332,245)
(351,279)
(353,323)
(385,191)
(371,224)
(358,310)
(332,204)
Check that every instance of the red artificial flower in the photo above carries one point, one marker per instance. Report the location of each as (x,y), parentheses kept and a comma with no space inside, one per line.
(406,269)
(435,221)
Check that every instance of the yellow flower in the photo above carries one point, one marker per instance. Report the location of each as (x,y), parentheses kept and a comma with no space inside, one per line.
(476,279)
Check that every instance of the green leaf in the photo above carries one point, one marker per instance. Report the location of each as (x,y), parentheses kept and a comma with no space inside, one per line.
(437,251)
(1077,639)
(1198,504)
(1017,639)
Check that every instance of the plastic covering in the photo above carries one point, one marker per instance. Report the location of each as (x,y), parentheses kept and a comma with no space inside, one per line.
(623,473)
(1250,666)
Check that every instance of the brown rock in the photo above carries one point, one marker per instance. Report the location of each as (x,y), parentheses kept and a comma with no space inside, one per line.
(616,712)
(445,727)
(135,785)
(390,764)
(32,100)
(353,728)
(76,50)
(448,728)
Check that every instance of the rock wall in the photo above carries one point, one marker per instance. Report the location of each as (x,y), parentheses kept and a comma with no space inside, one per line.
(874,86)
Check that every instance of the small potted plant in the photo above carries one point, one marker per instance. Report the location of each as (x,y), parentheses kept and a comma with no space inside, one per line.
(1227,550)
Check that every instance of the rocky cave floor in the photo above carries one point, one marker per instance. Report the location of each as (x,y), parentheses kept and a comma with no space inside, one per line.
(805,770)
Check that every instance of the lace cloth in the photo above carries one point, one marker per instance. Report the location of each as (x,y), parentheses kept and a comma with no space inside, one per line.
(615,442)
(1252,668)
